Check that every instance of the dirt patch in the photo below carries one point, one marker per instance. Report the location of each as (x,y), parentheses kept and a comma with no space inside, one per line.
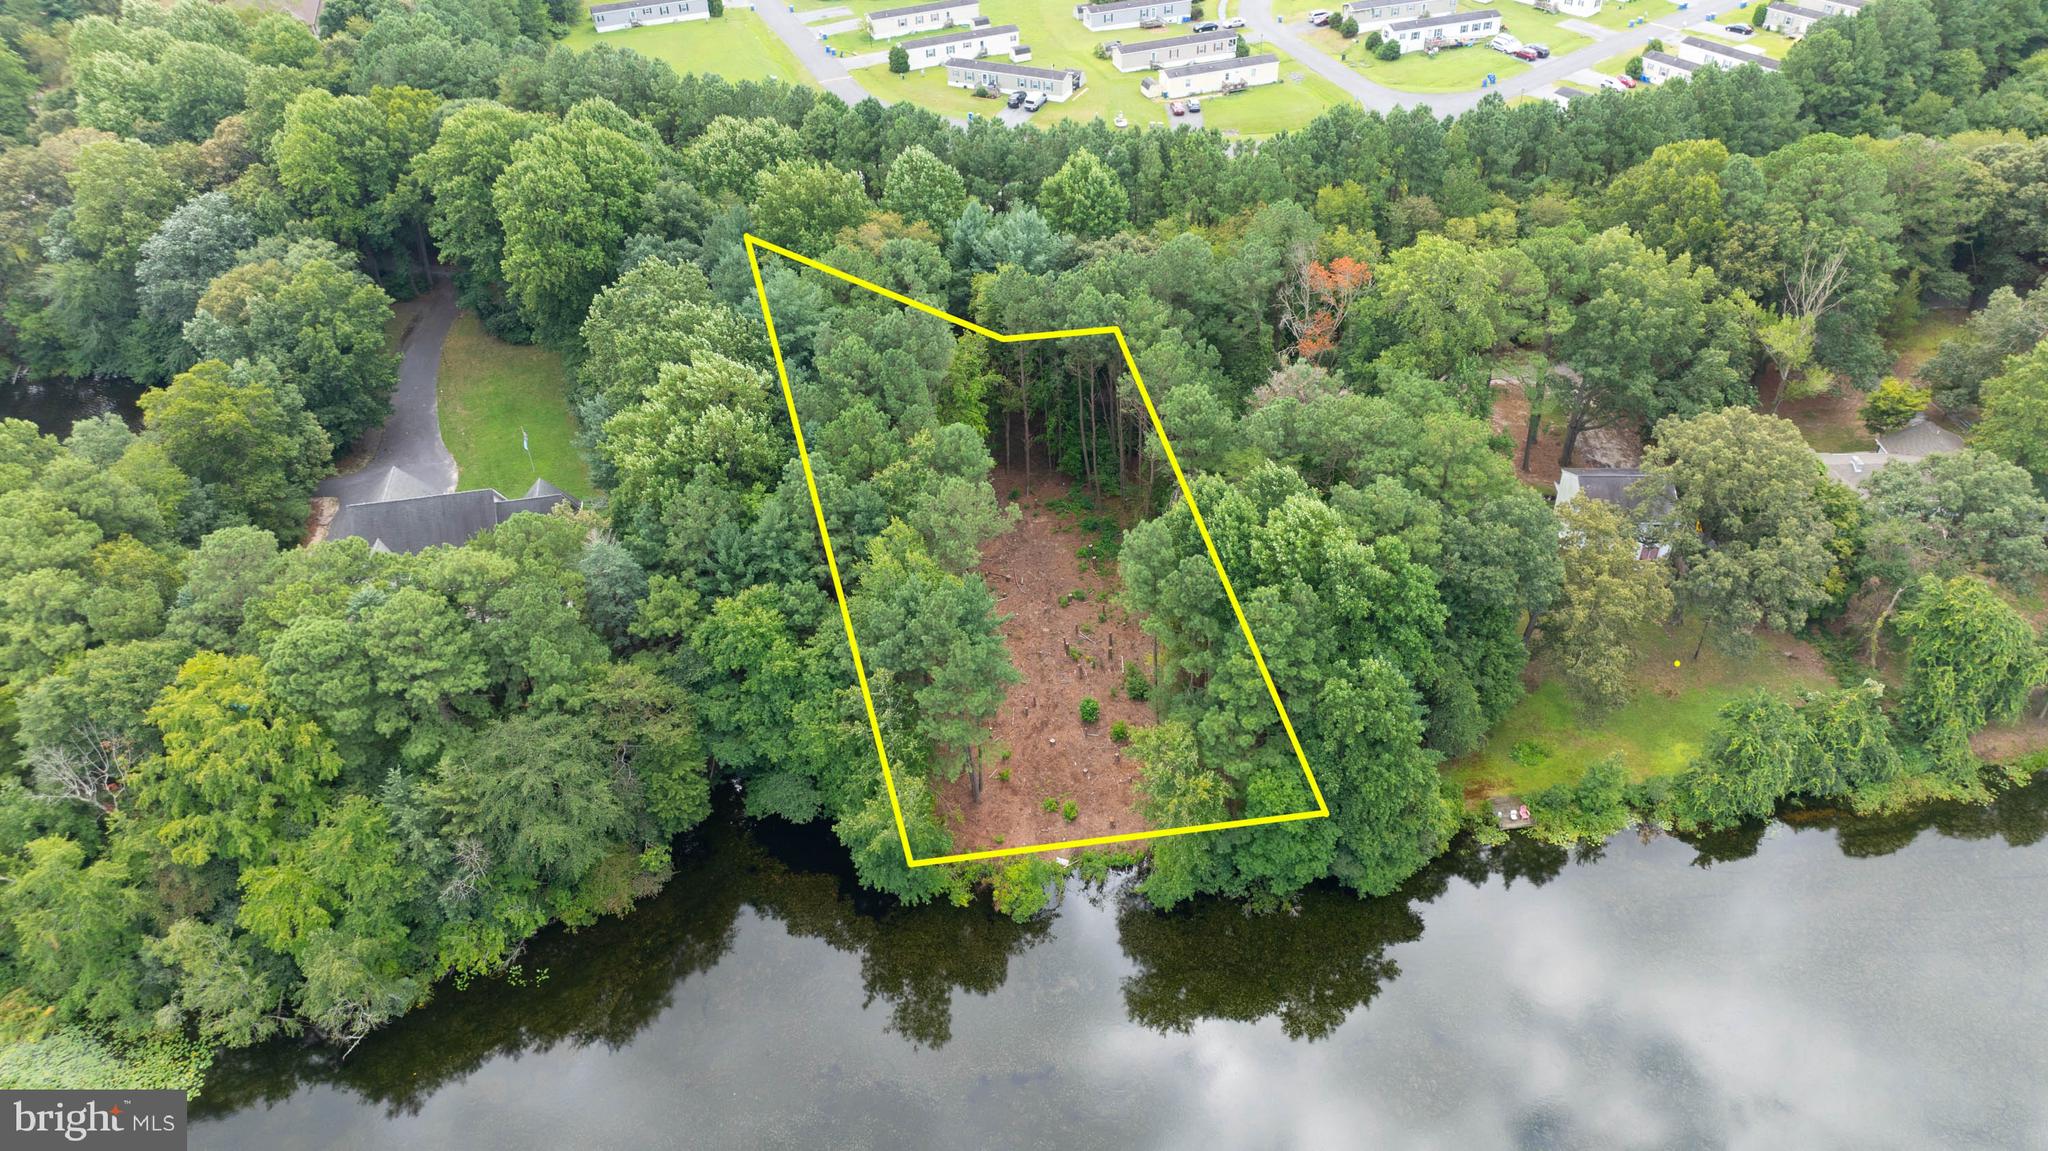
(1069,642)
(1830,422)
(1597,448)
(2007,743)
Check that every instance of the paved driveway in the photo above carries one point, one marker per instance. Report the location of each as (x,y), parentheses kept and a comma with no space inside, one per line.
(411,438)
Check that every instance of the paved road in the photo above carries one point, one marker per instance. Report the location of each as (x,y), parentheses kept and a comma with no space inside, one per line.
(411,438)
(803,40)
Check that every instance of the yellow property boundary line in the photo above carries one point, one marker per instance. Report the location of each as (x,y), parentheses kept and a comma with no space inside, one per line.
(1322,809)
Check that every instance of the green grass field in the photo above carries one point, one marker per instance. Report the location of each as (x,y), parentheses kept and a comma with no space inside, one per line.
(737,46)
(1657,732)
(489,390)
(1272,108)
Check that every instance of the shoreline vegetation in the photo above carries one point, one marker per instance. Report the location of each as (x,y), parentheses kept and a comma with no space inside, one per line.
(251,789)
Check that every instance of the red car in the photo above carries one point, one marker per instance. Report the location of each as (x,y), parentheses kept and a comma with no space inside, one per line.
(1625,81)
(1524,53)
(1177,108)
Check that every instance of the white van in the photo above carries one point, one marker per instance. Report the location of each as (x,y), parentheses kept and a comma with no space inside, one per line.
(1034,102)
(1505,43)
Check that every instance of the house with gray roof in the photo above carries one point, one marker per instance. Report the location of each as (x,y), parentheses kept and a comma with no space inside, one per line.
(884,23)
(634,13)
(1618,486)
(1007,76)
(1792,19)
(1701,51)
(1230,74)
(969,43)
(404,515)
(1369,13)
(1139,55)
(1661,66)
(1132,14)
(1429,33)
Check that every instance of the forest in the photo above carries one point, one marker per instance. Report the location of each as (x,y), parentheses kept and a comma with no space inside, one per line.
(254,789)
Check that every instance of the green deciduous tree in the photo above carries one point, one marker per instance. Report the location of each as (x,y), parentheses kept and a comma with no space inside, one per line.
(1608,596)
(246,438)
(1084,198)
(2015,423)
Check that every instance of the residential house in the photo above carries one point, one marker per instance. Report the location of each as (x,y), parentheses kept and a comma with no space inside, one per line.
(1721,55)
(634,13)
(1838,7)
(1229,74)
(1141,55)
(405,515)
(1369,13)
(1004,76)
(1617,486)
(1133,14)
(887,22)
(961,44)
(1428,33)
(1791,19)
(1564,94)
(1579,8)
(1661,66)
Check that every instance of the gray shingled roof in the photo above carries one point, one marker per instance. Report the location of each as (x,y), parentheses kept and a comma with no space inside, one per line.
(1008,69)
(596,8)
(1174,41)
(1197,69)
(914,9)
(415,523)
(1731,52)
(1796,10)
(1446,18)
(1670,61)
(1615,486)
(957,37)
(1123,4)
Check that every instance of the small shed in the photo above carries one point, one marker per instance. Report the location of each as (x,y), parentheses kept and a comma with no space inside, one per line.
(1510,812)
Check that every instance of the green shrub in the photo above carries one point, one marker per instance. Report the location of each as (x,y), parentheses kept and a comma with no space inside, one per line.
(1388,50)
(1070,812)
(1120,731)
(1090,710)
(1051,804)
(1893,405)
(1135,684)
(1003,775)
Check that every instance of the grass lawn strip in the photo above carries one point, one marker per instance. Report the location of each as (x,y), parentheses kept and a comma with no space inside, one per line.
(737,46)
(488,391)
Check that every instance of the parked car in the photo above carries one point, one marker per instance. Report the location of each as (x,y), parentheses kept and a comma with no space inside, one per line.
(1320,17)
(1234,22)
(1542,50)
(1177,108)
(1017,99)
(1194,104)
(1524,53)
(1504,43)
(1034,102)
(1625,80)
(1613,82)
(1740,30)
(1206,26)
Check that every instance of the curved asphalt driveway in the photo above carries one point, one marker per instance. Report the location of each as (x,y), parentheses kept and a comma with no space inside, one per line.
(411,438)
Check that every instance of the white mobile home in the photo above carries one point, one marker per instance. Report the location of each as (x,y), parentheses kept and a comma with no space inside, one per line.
(1792,19)
(1230,74)
(1838,7)
(1132,14)
(1371,12)
(1721,55)
(1004,76)
(1431,32)
(1579,8)
(887,22)
(1661,66)
(961,44)
(1143,54)
(634,13)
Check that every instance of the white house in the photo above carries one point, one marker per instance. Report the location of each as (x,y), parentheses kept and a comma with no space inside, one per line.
(1722,55)
(1428,33)
(1371,12)
(1005,76)
(1661,66)
(1229,74)
(963,43)
(1132,14)
(887,22)
(1137,57)
(1566,7)
(1792,19)
(1838,7)
(634,13)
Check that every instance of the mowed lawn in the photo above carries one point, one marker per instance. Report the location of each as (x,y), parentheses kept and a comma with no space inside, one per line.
(488,391)
(1657,732)
(737,46)
(1300,96)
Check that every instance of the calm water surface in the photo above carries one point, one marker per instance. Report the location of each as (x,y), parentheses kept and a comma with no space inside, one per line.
(1827,983)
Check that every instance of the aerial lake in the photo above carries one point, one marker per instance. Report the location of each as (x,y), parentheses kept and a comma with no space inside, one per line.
(1822,982)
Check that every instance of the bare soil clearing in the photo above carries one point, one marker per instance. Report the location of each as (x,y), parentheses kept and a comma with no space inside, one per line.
(1069,642)
(1597,447)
